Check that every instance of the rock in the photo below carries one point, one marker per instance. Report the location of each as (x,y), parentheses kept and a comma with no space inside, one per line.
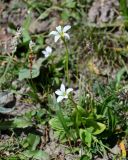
(7,99)
(7,102)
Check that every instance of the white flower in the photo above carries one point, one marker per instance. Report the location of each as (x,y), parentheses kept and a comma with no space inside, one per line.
(60,32)
(47,52)
(63,93)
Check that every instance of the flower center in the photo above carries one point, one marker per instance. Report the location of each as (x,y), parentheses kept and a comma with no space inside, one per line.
(62,34)
(64,94)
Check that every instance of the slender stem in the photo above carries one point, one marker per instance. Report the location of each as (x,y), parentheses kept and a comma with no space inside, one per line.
(66,63)
(72,101)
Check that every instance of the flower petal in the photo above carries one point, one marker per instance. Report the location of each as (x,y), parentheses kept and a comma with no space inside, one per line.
(69,90)
(62,87)
(47,54)
(60,98)
(53,33)
(66,36)
(66,96)
(56,38)
(59,92)
(44,52)
(66,28)
(49,49)
(59,29)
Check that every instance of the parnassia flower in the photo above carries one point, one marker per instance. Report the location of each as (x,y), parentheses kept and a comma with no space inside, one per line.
(63,93)
(61,32)
(47,52)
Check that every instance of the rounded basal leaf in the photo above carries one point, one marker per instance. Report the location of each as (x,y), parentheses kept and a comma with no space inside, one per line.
(95,126)
(101,127)
(26,73)
(33,141)
(21,123)
(36,155)
(41,155)
(85,136)
(56,124)
(28,153)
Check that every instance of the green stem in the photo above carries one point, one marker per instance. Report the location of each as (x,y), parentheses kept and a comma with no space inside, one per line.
(74,103)
(66,62)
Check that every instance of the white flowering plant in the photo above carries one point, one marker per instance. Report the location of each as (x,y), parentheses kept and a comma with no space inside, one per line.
(44,62)
(80,121)
(61,33)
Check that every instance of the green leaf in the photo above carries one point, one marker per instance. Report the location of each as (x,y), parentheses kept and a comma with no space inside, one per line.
(28,153)
(97,126)
(21,122)
(37,154)
(25,31)
(55,124)
(46,13)
(124,8)
(41,155)
(86,136)
(81,110)
(111,120)
(26,36)
(38,63)
(60,132)
(119,76)
(84,157)
(26,74)
(101,127)
(6,125)
(33,140)
(27,22)
(65,15)
(70,3)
